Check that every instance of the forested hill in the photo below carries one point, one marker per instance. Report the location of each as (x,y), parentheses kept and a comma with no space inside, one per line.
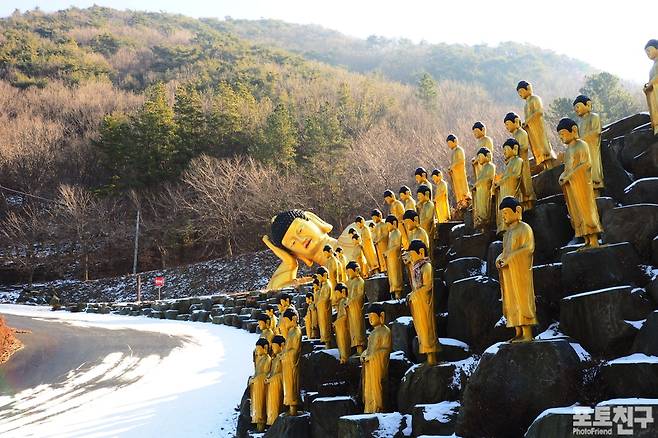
(495,68)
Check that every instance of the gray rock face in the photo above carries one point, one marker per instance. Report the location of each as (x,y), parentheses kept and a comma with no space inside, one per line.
(495,249)
(642,191)
(646,164)
(598,319)
(473,245)
(514,383)
(630,376)
(325,412)
(321,372)
(625,125)
(646,340)
(635,143)
(551,229)
(546,183)
(637,224)
(616,178)
(435,419)
(461,268)
(377,289)
(402,335)
(290,427)
(393,425)
(427,384)
(555,422)
(171,314)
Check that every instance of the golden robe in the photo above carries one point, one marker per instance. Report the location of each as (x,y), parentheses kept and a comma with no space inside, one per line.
(578,190)
(380,238)
(311,321)
(539,143)
(368,247)
(441,202)
(394,261)
(355,300)
(410,204)
(342,274)
(342,328)
(484,142)
(375,369)
(429,184)
(652,97)
(527,189)
(419,233)
(482,199)
(421,304)
(323,304)
(458,175)
(274,324)
(426,214)
(508,185)
(590,132)
(290,367)
(397,210)
(274,390)
(361,259)
(258,392)
(333,266)
(268,334)
(516,282)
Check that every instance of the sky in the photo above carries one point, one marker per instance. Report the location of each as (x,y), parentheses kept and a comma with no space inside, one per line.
(608,36)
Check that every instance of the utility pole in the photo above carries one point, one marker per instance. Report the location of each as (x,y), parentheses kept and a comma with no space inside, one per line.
(139,282)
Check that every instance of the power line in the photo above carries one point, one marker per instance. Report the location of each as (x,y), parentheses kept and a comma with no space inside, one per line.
(27,194)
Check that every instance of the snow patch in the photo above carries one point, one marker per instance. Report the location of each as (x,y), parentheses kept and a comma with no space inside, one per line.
(637,324)
(594,292)
(634,358)
(441,412)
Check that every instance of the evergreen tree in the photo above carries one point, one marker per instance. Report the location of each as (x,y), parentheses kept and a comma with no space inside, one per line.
(191,124)
(427,90)
(609,98)
(279,139)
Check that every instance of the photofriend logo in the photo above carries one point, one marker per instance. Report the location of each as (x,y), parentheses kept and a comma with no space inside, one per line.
(611,420)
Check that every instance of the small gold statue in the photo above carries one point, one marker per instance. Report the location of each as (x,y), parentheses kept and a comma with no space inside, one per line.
(342,275)
(515,271)
(396,208)
(274,321)
(375,361)
(534,125)
(264,327)
(323,303)
(513,126)
(482,190)
(483,141)
(576,182)
(380,238)
(509,183)
(331,263)
(274,382)
(414,230)
(311,318)
(258,392)
(359,256)
(355,299)
(457,171)
(55,303)
(651,49)
(285,302)
(441,202)
(341,325)
(421,179)
(367,244)
(290,361)
(405,196)
(421,301)
(394,257)
(590,130)
(426,210)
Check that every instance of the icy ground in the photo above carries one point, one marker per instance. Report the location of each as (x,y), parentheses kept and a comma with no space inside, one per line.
(192,392)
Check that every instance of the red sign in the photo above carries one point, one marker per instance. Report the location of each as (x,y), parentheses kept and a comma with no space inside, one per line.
(159,281)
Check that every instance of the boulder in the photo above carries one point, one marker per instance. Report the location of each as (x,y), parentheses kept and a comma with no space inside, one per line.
(546,182)
(452,350)
(624,126)
(402,334)
(435,419)
(646,164)
(461,268)
(321,372)
(298,426)
(514,383)
(551,228)
(495,249)
(598,319)
(376,288)
(443,232)
(553,199)
(393,425)
(398,365)
(456,231)
(547,281)
(635,143)
(171,314)
(183,317)
(598,268)
(642,191)
(615,177)
(654,251)
(557,422)
(646,340)
(473,245)
(637,224)
(325,412)
(643,411)
(630,376)
(605,204)
(394,309)
(474,311)
(244,416)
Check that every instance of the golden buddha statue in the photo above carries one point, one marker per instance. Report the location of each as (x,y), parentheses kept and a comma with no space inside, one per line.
(285,302)
(331,263)
(375,361)
(367,244)
(394,257)
(341,325)
(513,125)
(355,298)
(441,202)
(482,190)
(257,387)
(590,130)
(534,125)
(509,184)
(483,141)
(323,304)
(264,327)
(380,238)
(274,382)
(290,361)
(396,208)
(311,318)
(457,171)
(515,271)
(274,321)
(359,257)
(414,230)
(576,182)
(421,179)
(342,276)
(426,210)
(651,49)
(407,199)
(421,301)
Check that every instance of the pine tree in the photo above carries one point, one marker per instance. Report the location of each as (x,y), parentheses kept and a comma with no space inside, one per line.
(279,139)
(427,90)
(191,125)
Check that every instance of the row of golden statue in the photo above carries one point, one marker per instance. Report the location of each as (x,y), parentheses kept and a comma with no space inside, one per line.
(401,240)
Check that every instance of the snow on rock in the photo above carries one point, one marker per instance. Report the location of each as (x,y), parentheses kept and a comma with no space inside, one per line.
(454,343)
(493,349)
(635,358)
(441,412)
(566,410)
(629,401)
(637,324)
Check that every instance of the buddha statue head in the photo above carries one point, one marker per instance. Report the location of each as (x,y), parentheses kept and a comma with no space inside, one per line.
(410,220)
(567,129)
(269,311)
(389,197)
(316,285)
(420,175)
(353,269)
(512,122)
(277,344)
(341,290)
(322,274)
(511,210)
(524,89)
(301,233)
(582,105)
(339,250)
(417,250)
(360,222)
(391,223)
(376,216)
(284,300)
(479,130)
(510,148)
(405,193)
(437,176)
(262,347)
(356,239)
(651,49)
(423,193)
(376,315)
(327,251)
(483,156)
(288,320)
(452,141)
(263,321)
(309,298)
